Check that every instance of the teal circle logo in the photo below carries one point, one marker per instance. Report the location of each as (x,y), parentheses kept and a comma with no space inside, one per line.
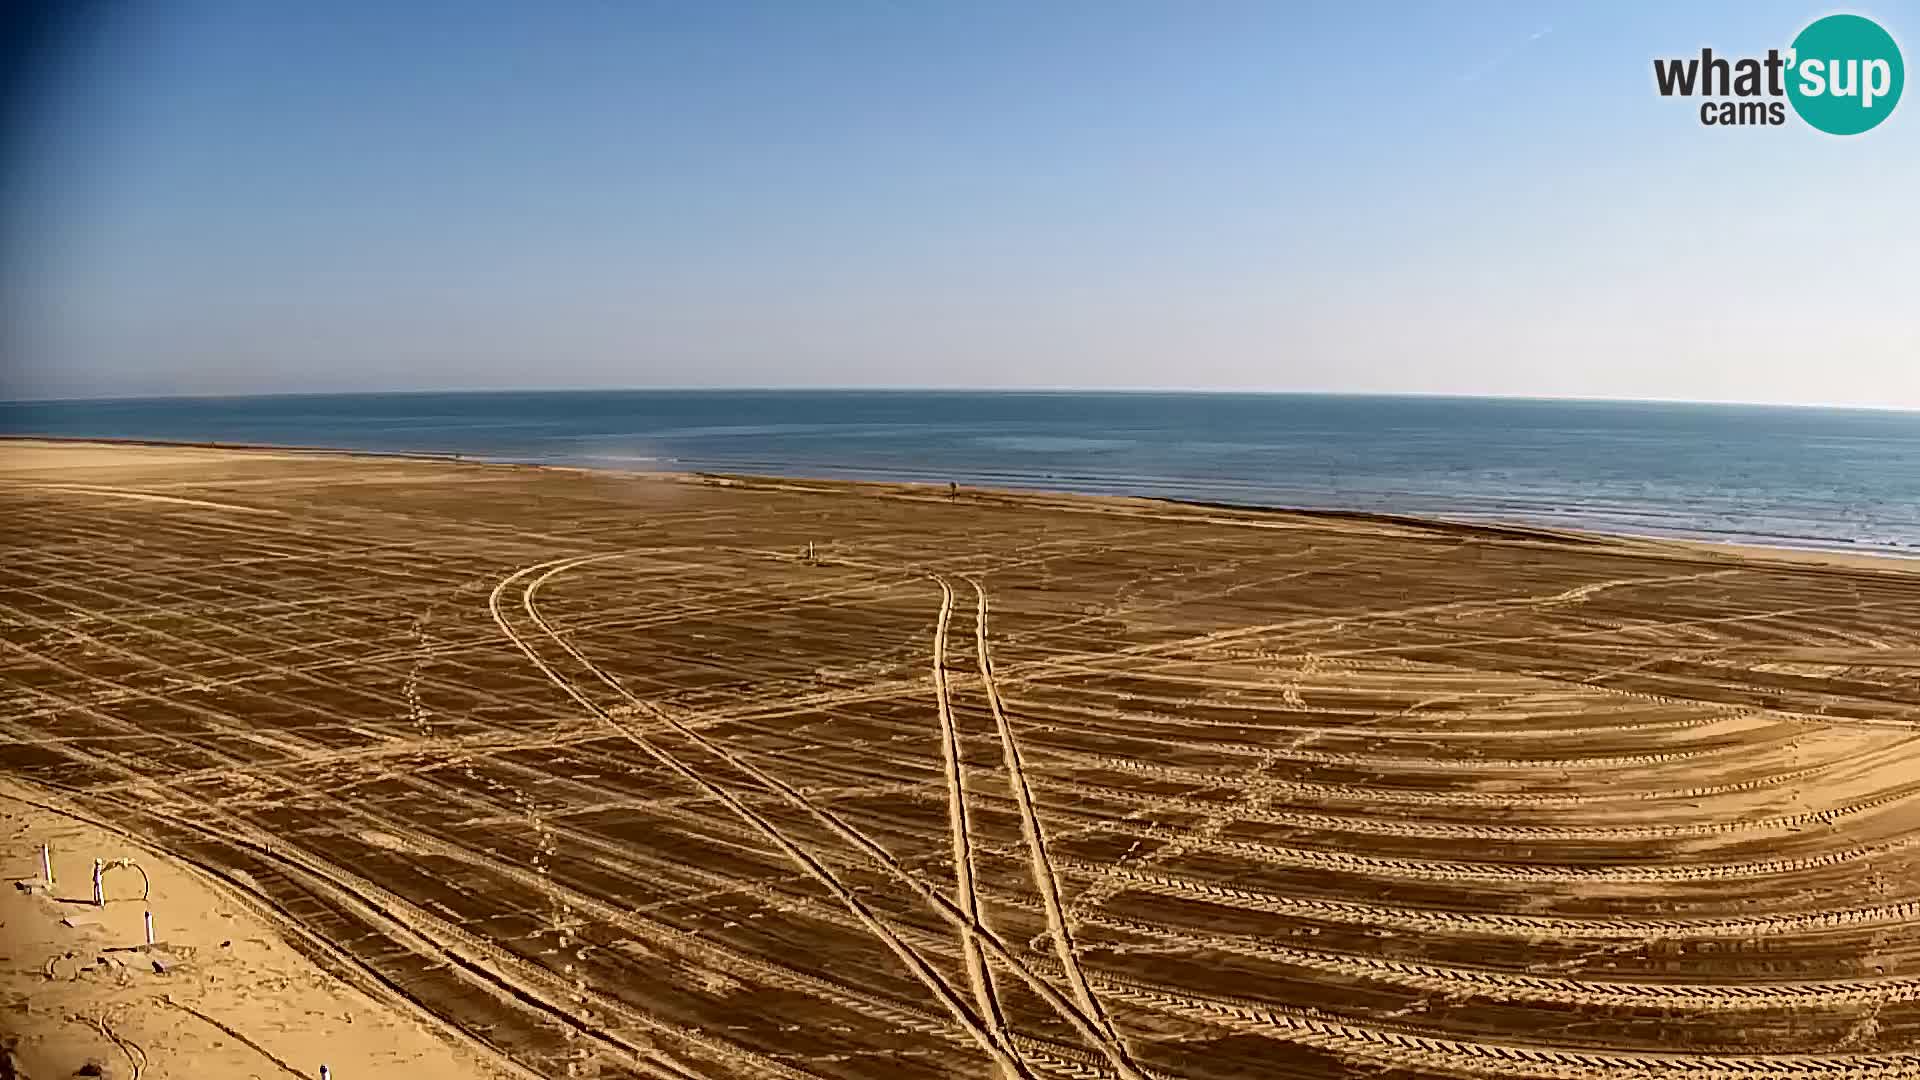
(1844,74)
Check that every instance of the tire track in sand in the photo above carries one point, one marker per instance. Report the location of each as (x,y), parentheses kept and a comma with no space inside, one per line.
(471,958)
(1490,984)
(1415,869)
(1423,797)
(1437,830)
(960,826)
(1315,1027)
(1400,1048)
(915,963)
(1044,877)
(1501,924)
(1115,1055)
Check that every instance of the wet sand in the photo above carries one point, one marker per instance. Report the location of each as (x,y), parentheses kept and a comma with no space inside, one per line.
(681,776)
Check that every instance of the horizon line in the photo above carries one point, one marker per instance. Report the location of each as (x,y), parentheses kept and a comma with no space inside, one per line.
(949,389)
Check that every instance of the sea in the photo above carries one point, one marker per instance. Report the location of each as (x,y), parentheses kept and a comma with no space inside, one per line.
(1845,479)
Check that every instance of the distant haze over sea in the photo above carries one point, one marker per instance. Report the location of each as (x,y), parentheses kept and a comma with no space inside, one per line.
(1809,477)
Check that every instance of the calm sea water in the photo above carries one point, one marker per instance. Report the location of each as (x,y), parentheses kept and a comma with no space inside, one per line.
(1798,477)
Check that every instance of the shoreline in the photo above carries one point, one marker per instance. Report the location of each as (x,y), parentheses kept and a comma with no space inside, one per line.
(1517,529)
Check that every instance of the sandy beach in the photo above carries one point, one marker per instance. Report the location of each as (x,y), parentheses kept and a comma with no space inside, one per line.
(220,994)
(443,768)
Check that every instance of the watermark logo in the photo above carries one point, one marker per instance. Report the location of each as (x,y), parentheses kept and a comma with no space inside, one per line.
(1842,75)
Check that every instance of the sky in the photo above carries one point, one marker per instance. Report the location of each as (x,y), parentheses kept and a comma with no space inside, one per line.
(258,196)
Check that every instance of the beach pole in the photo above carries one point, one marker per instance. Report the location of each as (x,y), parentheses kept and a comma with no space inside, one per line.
(149,926)
(326,1073)
(99,888)
(46,864)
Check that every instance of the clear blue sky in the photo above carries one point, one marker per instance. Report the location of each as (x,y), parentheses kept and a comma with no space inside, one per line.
(230,197)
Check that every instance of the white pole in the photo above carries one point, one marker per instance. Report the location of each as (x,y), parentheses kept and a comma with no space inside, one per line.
(149,927)
(326,1073)
(46,864)
(99,890)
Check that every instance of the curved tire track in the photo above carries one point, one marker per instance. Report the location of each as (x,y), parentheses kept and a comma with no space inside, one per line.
(1499,924)
(1044,878)
(915,963)
(960,826)
(1085,1027)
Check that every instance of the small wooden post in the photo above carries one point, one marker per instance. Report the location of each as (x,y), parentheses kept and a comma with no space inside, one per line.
(46,864)
(149,926)
(99,888)
(326,1073)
